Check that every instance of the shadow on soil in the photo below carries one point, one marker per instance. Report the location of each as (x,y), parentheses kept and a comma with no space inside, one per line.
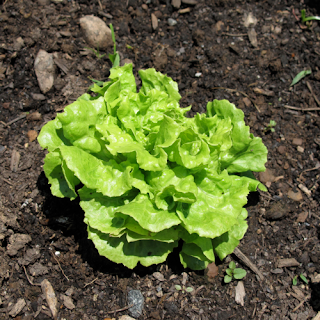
(67,216)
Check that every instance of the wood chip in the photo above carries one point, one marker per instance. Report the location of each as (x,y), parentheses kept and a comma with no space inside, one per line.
(17,308)
(50,297)
(290,262)
(191,2)
(305,189)
(154,21)
(317,317)
(240,293)
(15,158)
(264,92)
(186,10)
(253,37)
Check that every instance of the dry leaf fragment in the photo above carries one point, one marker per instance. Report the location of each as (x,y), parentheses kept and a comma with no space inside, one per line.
(50,297)
(212,271)
(240,293)
(32,135)
(34,116)
(302,216)
(17,308)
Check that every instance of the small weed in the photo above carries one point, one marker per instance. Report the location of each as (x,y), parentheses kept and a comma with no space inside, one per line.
(183,288)
(302,277)
(270,126)
(300,76)
(96,52)
(114,58)
(233,272)
(305,19)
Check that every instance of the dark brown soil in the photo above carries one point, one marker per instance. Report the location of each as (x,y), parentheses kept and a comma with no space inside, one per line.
(43,237)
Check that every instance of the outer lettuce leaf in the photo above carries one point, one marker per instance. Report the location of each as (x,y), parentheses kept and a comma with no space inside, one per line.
(150,175)
(62,180)
(226,243)
(119,250)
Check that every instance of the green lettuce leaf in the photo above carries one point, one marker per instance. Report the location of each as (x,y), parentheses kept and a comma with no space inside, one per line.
(150,176)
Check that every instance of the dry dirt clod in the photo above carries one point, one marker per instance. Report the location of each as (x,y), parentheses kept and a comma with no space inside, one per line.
(295,196)
(45,70)
(50,297)
(96,33)
(16,242)
(176,3)
(32,135)
(67,301)
(277,210)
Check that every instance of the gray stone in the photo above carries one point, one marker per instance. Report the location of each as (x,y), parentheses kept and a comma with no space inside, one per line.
(135,297)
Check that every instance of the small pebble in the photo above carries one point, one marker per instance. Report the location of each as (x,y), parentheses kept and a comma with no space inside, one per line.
(172,22)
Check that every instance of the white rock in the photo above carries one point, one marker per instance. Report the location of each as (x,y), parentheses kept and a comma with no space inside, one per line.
(45,70)
(96,33)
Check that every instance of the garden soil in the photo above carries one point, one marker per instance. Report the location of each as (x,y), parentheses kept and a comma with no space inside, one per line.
(245,51)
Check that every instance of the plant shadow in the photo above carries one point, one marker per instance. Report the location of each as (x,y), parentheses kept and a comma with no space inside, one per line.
(67,217)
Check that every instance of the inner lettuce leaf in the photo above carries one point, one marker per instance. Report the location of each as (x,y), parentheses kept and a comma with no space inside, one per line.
(151,177)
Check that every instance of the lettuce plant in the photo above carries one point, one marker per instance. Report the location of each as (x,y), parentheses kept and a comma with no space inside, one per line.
(151,177)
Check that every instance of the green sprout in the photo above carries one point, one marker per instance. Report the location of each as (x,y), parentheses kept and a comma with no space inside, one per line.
(114,58)
(233,272)
(96,52)
(302,277)
(270,126)
(300,76)
(183,288)
(305,19)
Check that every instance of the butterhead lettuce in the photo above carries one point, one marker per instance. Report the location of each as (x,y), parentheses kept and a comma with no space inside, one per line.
(150,176)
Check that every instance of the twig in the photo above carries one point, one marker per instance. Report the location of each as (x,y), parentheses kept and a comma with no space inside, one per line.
(15,120)
(244,259)
(100,5)
(88,284)
(234,90)
(315,168)
(7,181)
(122,309)
(317,317)
(59,265)
(29,280)
(314,96)
(301,303)
(234,34)
(301,109)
